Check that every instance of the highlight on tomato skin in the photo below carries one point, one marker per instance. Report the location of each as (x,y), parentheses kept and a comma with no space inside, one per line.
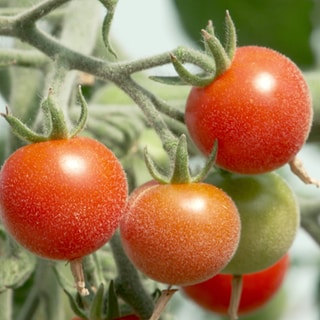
(259,111)
(180,234)
(258,289)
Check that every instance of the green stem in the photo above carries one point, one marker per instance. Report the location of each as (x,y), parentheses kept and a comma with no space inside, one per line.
(139,96)
(128,283)
(6,305)
(39,10)
(310,213)
(23,58)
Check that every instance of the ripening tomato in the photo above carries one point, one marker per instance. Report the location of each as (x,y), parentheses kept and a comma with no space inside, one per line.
(180,233)
(62,199)
(257,289)
(259,111)
(269,215)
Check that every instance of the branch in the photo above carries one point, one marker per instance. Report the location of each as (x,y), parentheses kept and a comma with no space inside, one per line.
(128,283)
(139,96)
(23,58)
(38,11)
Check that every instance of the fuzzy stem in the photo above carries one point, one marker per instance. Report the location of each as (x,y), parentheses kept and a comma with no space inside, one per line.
(128,283)
(138,95)
(40,10)
(6,305)
(235,296)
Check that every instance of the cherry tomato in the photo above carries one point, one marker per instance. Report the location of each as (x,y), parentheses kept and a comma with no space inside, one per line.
(269,216)
(259,111)
(62,199)
(129,317)
(180,233)
(257,289)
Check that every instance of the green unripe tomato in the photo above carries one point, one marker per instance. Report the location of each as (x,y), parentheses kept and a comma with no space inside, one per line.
(269,216)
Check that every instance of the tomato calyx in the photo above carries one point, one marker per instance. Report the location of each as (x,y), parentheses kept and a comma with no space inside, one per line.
(180,172)
(220,56)
(55,126)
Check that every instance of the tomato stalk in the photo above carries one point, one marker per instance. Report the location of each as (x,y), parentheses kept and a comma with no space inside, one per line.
(237,281)
(162,302)
(128,284)
(6,305)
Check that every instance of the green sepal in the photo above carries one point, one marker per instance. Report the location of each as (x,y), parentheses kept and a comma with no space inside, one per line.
(181,172)
(59,127)
(110,5)
(153,169)
(79,126)
(96,307)
(16,267)
(190,78)
(208,165)
(74,305)
(231,37)
(113,309)
(21,130)
(218,52)
(173,81)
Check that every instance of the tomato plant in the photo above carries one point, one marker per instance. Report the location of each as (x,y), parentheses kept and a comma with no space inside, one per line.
(269,219)
(259,111)
(257,289)
(62,199)
(180,233)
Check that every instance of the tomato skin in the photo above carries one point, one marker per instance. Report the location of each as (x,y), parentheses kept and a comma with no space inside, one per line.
(62,199)
(127,317)
(258,289)
(180,233)
(270,219)
(259,110)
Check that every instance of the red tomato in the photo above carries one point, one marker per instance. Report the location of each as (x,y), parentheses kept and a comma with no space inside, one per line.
(259,111)
(62,199)
(258,288)
(180,233)
(129,317)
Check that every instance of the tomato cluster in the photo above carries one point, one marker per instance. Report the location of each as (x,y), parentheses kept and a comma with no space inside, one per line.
(63,199)
(259,112)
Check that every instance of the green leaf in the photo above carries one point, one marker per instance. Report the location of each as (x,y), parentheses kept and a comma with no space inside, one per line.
(74,305)
(284,25)
(113,310)
(16,268)
(95,312)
